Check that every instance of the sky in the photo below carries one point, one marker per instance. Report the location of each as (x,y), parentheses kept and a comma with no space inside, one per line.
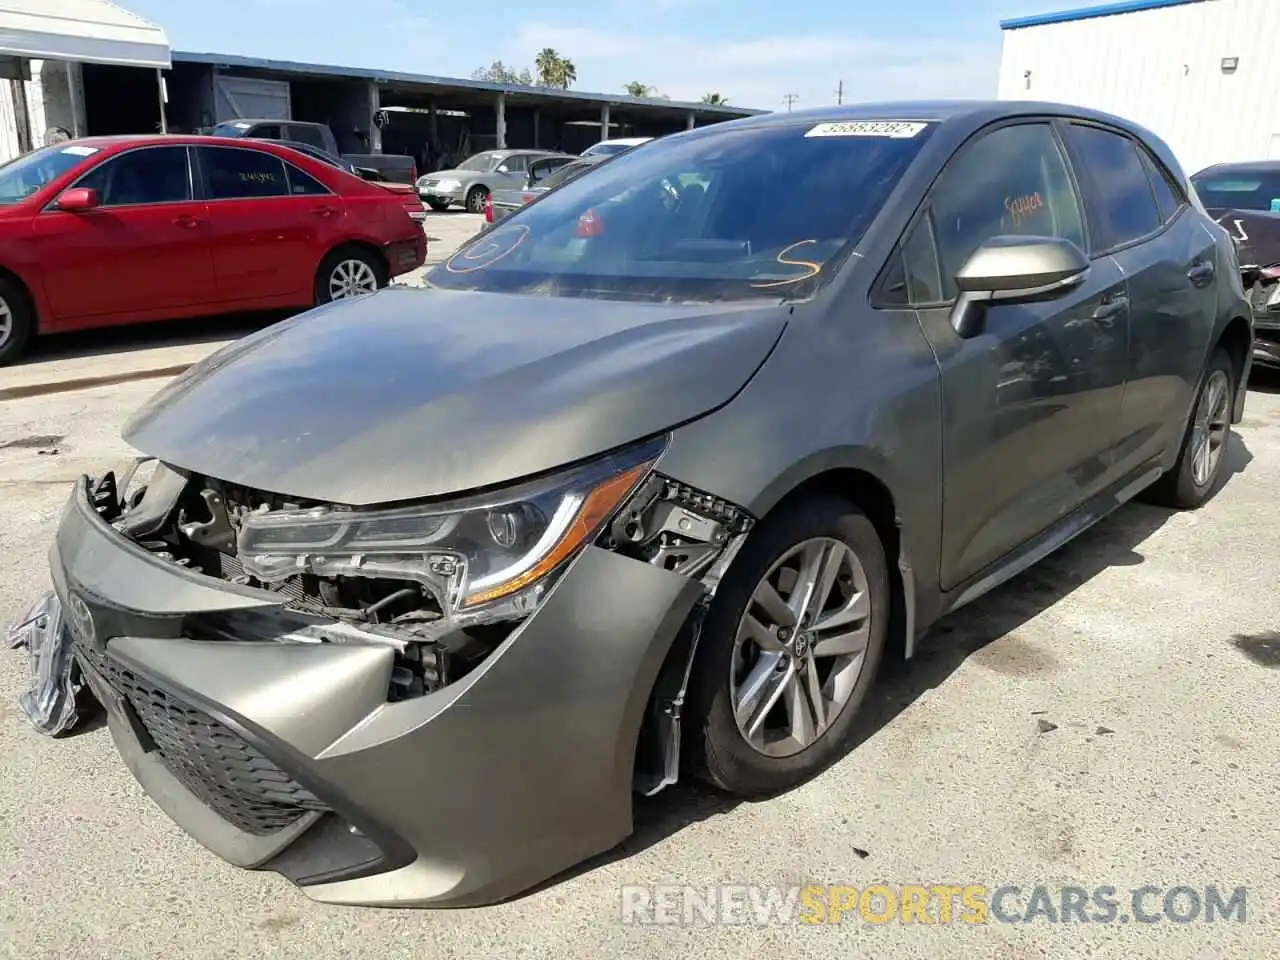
(754,52)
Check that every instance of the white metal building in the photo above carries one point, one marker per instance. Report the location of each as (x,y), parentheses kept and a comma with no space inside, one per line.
(42,46)
(1202,74)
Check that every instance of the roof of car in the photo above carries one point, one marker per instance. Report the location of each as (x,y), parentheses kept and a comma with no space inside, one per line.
(1243,166)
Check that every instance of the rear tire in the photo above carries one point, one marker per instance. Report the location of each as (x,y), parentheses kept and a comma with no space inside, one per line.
(437,206)
(1194,477)
(17,321)
(734,745)
(476,197)
(348,272)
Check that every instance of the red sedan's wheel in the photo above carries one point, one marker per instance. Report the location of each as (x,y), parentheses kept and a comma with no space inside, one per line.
(17,321)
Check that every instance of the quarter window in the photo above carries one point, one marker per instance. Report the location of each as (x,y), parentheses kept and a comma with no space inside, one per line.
(1127,203)
(147,175)
(1013,181)
(232,173)
(1168,198)
(303,184)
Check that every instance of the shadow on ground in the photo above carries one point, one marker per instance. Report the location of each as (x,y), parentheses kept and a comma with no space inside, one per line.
(166,333)
(1114,542)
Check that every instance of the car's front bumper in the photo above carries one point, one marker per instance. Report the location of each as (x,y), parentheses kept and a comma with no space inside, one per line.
(287,756)
(437,195)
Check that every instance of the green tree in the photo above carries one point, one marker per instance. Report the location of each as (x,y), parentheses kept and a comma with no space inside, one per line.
(714,99)
(554,70)
(499,72)
(637,89)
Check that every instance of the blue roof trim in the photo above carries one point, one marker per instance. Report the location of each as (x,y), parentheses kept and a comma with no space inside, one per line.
(1088,13)
(395,76)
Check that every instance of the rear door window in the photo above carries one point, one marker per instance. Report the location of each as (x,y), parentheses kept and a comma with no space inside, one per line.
(231,173)
(268,131)
(1122,194)
(1013,180)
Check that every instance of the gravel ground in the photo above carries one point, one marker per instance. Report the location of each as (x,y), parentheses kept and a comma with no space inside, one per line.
(1109,718)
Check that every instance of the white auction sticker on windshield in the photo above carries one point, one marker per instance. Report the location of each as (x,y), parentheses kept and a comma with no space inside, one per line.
(894,129)
(80,151)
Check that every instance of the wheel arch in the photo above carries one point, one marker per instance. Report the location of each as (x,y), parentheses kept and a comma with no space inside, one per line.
(27,289)
(859,476)
(1237,339)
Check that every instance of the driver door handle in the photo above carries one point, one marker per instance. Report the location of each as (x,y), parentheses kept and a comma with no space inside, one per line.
(1110,308)
(1200,273)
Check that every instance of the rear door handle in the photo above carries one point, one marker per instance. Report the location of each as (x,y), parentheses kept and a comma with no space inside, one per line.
(187,220)
(1110,308)
(1200,273)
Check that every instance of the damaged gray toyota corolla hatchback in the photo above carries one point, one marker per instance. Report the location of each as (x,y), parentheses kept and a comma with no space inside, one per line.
(424,586)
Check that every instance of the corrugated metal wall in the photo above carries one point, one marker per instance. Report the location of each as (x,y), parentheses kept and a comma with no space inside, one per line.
(1162,68)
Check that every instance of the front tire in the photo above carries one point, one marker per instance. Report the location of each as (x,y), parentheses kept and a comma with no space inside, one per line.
(789,649)
(476,197)
(17,321)
(438,206)
(349,272)
(1195,475)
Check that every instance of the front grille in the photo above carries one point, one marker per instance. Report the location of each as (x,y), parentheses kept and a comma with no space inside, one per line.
(218,766)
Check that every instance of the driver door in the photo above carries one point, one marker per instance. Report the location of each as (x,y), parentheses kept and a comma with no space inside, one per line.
(1031,404)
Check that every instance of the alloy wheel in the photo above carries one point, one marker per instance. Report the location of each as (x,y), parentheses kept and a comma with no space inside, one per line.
(7,325)
(1209,433)
(800,647)
(352,278)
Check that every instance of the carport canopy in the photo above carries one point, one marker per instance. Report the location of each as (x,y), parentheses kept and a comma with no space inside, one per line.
(87,31)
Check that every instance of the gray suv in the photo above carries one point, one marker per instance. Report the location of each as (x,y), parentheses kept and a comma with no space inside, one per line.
(425,586)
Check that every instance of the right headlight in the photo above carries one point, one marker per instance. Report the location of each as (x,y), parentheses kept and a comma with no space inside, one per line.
(469,553)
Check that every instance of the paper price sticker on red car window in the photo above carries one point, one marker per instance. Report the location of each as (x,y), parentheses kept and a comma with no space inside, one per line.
(894,129)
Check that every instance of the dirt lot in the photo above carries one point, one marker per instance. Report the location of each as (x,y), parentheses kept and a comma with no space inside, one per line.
(1109,718)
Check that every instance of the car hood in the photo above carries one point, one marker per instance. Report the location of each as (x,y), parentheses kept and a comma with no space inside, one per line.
(453,175)
(411,394)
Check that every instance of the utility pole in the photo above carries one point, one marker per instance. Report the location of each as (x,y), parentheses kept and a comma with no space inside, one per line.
(790,98)
(840,93)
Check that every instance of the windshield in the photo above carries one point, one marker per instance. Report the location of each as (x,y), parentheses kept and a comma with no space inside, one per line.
(606,149)
(23,176)
(481,161)
(1239,190)
(760,211)
(232,128)
(565,173)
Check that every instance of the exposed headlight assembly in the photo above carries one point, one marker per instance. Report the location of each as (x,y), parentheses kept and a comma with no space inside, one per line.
(470,553)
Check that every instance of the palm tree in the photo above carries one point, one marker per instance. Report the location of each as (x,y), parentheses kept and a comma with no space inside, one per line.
(637,89)
(714,99)
(554,70)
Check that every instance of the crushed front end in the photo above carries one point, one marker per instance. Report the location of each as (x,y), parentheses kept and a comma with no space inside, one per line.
(416,705)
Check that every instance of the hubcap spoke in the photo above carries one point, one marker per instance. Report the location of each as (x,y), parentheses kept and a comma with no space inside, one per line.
(765,693)
(774,606)
(804,728)
(764,638)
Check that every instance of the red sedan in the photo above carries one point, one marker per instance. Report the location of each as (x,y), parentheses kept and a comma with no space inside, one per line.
(116,230)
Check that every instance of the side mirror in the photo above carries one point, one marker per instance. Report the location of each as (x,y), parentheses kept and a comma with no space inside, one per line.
(1011,269)
(78,199)
(368,173)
